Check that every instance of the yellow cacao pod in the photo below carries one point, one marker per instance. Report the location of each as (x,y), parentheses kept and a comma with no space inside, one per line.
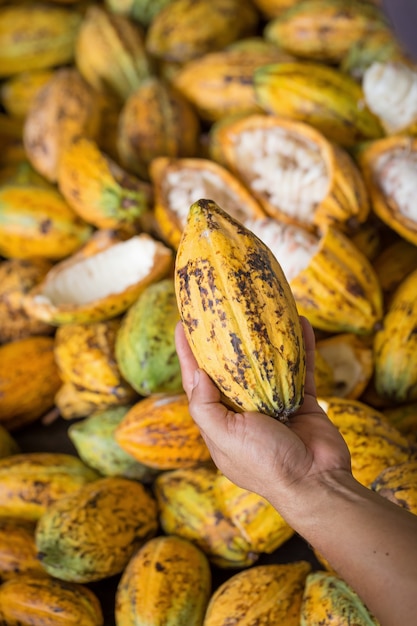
(393,264)
(36,36)
(328,600)
(189,507)
(30,482)
(319,95)
(29,599)
(18,554)
(167,581)
(324,30)
(73,401)
(239,313)
(69,546)
(18,92)
(398,483)
(63,109)
(394,345)
(206,25)
(159,432)
(29,379)
(269,594)
(404,418)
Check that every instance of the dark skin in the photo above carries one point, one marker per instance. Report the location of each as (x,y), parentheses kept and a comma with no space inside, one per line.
(303,469)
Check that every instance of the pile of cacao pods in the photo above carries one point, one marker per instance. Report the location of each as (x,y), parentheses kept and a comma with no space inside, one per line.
(299,120)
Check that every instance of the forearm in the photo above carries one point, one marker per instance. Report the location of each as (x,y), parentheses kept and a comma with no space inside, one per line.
(369,541)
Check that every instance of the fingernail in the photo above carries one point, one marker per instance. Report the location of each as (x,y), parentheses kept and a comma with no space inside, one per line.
(196,378)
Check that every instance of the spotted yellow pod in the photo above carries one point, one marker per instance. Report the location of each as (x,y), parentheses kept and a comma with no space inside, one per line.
(39,599)
(18,554)
(263,594)
(67,538)
(329,601)
(239,313)
(398,483)
(168,581)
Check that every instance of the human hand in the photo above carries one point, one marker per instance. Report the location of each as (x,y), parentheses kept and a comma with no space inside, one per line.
(258,452)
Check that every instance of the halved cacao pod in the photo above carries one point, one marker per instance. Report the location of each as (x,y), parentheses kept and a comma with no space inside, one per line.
(85,356)
(99,283)
(69,546)
(390,91)
(168,581)
(239,313)
(18,553)
(110,52)
(373,442)
(319,95)
(145,342)
(389,167)
(332,282)
(99,190)
(180,182)
(395,345)
(18,92)
(351,360)
(156,120)
(294,172)
(93,438)
(269,594)
(35,219)
(189,507)
(29,380)
(160,433)
(36,36)
(30,597)
(258,521)
(220,83)
(324,30)
(63,109)
(30,482)
(380,46)
(398,483)
(17,277)
(206,26)
(328,600)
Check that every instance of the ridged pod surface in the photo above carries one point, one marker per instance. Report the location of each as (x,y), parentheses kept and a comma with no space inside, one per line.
(160,433)
(30,482)
(93,438)
(73,401)
(373,442)
(263,594)
(398,483)
(92,533)
(29,379)
(110,52)
(145,346)
(393,264)
(189,507)
(156,120)
(395,345)
(63,109)
(167,582)
(258,521)
(36,37)
(99,190)
(29,599)
(239,314)
(206,25)
(320,95)
(36,220)
(324,30)
(330,601)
